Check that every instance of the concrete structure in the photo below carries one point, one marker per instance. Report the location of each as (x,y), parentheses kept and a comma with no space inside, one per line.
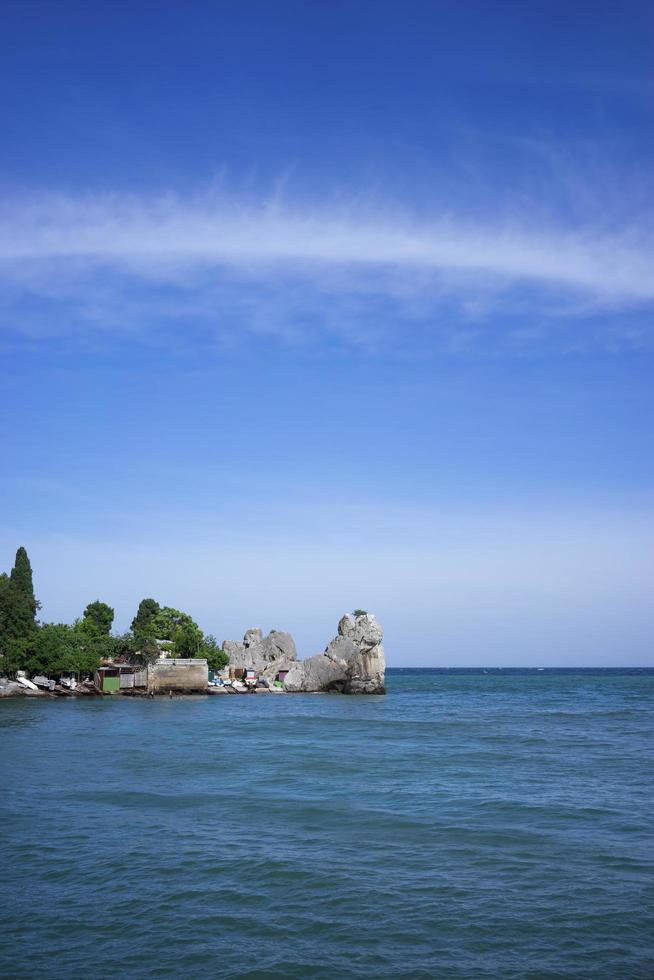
(188,675)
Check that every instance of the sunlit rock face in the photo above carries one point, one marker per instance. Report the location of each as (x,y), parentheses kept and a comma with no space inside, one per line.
(353,663)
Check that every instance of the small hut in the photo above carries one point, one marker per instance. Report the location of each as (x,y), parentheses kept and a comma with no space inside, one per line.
(107,679)
(111,678)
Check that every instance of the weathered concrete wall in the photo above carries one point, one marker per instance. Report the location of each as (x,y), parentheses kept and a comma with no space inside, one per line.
(178,675)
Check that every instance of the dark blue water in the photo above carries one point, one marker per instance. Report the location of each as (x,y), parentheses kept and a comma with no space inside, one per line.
(467,825)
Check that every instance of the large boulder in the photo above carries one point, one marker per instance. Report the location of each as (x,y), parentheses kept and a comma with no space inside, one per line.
(267,655)
(319,673)
(14,689)
(353,663)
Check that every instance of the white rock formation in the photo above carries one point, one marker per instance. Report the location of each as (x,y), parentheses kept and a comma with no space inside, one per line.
(353,663)
(265,654)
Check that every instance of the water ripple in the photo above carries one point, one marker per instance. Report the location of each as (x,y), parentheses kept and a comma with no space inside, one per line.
(463,827)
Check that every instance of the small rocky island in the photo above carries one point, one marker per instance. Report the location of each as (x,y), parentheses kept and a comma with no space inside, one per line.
(352,663)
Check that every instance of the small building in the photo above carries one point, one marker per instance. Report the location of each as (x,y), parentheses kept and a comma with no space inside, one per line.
(130,677)
(111,678)
(107,679)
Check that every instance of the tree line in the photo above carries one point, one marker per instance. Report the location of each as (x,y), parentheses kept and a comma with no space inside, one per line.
(54,649)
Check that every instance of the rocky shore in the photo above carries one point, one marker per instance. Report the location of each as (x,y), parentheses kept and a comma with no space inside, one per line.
(352,663)
(14,689)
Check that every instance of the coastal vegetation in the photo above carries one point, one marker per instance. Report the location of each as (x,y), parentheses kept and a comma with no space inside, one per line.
(54,649)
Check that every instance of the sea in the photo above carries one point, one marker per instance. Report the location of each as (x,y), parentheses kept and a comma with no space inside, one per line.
(470,824)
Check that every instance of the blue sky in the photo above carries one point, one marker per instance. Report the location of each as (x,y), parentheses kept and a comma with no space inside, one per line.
(307,306)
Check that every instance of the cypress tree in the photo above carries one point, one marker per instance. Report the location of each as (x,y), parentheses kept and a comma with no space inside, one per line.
(21,576)
(6,596)
(18,607)
(20,602)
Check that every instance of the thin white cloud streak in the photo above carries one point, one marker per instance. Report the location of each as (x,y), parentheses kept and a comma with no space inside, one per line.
(167,238)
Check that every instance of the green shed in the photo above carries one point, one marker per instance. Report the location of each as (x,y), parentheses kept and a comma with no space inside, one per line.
(107,679)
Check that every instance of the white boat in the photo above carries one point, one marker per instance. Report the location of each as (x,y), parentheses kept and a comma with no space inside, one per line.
(24,682)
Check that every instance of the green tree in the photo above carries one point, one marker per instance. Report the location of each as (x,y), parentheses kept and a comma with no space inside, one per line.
(175,627)
(108,647)
(98,618)
(122,645)
(18,604)
(6,593)
(13,654)
(21,578)
(143,622)
(56,648)
(360,612)
(217,659)
(187,640)
(144,651)
(168,621)
(52,650)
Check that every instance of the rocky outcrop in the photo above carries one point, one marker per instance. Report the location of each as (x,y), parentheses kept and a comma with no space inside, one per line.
(267,655)
(353,663)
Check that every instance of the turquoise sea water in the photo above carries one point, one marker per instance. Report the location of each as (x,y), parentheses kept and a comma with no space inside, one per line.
(466,825)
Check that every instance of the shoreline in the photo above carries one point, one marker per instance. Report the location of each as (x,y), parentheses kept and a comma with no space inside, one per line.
(19,693)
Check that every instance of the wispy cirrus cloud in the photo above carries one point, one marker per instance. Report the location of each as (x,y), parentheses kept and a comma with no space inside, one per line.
(353,271)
